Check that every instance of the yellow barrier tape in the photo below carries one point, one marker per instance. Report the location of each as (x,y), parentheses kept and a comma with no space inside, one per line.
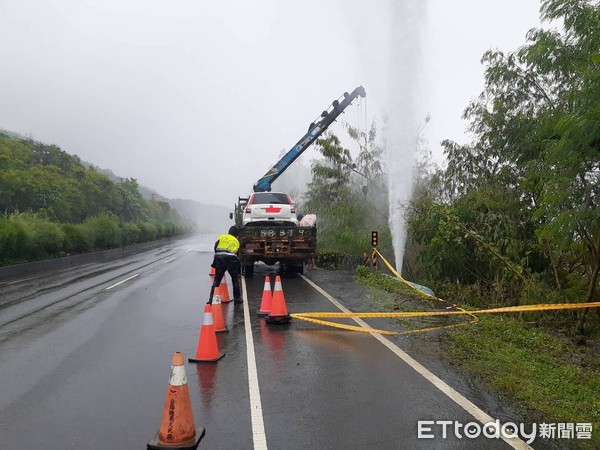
(506,309)
(426,294)
(369,330)
(474,318)
(315,317)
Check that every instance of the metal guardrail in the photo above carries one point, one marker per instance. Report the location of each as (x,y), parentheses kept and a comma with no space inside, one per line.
(49,265)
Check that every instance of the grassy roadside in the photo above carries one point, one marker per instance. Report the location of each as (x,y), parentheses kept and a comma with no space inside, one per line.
(540,372)
(545,375)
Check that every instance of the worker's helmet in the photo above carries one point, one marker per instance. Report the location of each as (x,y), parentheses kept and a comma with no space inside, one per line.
(233,230)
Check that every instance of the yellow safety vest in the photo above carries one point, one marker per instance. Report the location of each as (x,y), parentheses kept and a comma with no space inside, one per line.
(229,243)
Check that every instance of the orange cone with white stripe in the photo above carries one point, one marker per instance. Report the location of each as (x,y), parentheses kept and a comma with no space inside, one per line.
(212,272)
(177,428)
(218,317)
(278,314)
(207,350)
(267,299)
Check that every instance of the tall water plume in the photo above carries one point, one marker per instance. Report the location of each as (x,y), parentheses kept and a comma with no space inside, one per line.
(404,111)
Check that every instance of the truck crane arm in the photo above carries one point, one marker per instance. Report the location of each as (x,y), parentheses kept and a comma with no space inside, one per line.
(315,129)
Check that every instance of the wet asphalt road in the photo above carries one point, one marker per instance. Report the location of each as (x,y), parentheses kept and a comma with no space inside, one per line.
(86,367)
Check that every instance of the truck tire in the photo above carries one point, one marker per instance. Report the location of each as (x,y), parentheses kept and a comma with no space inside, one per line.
(249,270)
(291,268)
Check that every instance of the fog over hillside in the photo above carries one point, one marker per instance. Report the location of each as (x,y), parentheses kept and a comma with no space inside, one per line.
(208,218)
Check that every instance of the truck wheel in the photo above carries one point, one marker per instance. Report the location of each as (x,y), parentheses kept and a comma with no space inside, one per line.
(284,268)
(249,270)
(291,268)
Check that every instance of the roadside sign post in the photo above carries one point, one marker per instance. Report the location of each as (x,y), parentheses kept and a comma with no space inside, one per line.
(374,239)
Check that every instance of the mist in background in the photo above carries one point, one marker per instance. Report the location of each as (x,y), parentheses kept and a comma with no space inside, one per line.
(177,93)
(197,100)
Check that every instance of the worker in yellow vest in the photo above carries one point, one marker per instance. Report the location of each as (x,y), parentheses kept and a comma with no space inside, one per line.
(226,260)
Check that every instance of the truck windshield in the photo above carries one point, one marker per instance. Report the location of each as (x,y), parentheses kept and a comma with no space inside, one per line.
(271,198)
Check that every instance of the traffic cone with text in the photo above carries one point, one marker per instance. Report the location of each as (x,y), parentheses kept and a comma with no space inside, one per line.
(278,314)
(267,299)
(177,428)
(218,316)
(207,350)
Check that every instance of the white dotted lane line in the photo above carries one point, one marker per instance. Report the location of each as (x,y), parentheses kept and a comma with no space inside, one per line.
(258,427)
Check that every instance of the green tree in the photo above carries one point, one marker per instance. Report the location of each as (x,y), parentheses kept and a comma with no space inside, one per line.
(337,196)
(131,206)
(99,194)
(526,190)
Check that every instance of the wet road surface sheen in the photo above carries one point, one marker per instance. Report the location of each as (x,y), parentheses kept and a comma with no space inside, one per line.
(328,388)
(95,376)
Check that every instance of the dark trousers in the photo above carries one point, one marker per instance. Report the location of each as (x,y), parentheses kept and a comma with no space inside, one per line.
(227,263)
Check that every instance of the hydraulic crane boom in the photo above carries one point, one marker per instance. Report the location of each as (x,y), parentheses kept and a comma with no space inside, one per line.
(315,129)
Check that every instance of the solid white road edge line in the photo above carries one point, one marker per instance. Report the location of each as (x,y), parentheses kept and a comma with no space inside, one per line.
(458,398)
(258,427)
(122,281)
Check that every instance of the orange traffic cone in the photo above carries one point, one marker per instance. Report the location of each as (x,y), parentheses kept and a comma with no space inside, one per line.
(177,425)
(278,314)
(218,317)
(267,299)
(223,291)
(207,350)
(212,272)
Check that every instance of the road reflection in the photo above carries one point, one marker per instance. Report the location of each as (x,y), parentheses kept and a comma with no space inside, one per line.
(274,336)
(206,375)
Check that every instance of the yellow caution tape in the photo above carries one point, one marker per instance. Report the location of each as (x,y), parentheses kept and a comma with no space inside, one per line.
(506,309)
(315,317)
(301,316)
(474,318)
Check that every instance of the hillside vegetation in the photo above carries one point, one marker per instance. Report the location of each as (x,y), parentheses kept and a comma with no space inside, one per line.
(51,205)
(515,216)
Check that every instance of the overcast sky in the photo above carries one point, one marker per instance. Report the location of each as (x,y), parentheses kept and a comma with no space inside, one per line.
(197,99)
